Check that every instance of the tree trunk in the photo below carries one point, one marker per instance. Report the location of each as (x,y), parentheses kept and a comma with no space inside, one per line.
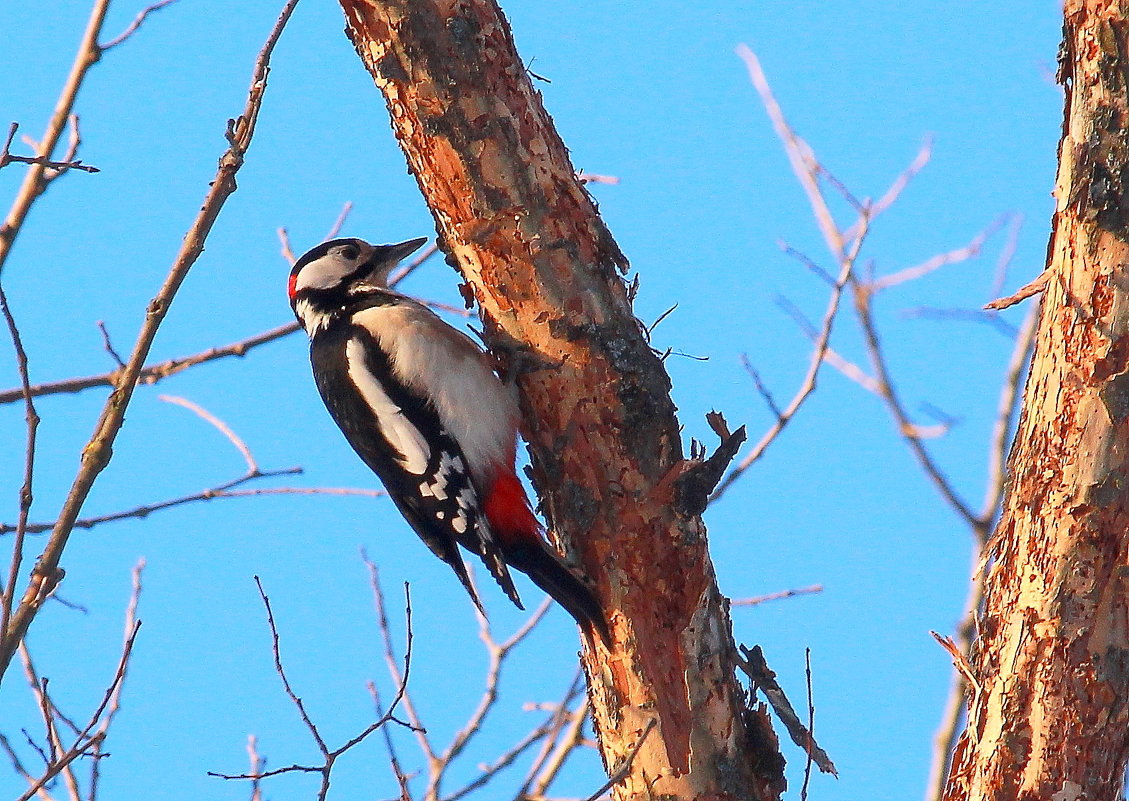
(601,427)
(1049,713)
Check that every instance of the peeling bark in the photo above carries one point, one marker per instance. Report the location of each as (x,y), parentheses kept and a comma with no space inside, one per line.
(601,425)
(1049,718)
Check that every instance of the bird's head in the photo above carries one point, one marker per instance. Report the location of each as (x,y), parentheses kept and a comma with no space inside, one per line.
(329,275)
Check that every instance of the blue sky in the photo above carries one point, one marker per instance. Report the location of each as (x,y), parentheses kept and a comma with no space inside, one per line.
(645,92)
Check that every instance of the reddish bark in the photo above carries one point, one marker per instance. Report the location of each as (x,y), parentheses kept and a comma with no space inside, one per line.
(602,429)
(1049,718)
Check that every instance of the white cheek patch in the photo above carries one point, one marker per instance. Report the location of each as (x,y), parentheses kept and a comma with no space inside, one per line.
(396,428)
(327,272)
(312,320)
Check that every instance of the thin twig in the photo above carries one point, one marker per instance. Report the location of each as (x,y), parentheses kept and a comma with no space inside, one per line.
(335,229)
(559,744)
(84,741)
(497,653)
(1006,410)
(391,660)
(220,492)
(968,251)
(133,26)
(777,596)
(258,765)
(811,727)
(329,756)
(281,671)
(8,591)
(624,768)
(952,718)
(223,490)
(151,374)
(1028,290)
(390,747)
(112,709)
(97,453)
(108,346)
(34,181)
(219,425)
(753,664)
(908,431)
(808,384)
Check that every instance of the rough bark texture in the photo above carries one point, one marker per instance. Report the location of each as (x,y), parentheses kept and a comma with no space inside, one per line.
(1050,717)
(601,426)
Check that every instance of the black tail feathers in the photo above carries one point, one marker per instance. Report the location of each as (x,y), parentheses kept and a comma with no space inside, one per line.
(550,574)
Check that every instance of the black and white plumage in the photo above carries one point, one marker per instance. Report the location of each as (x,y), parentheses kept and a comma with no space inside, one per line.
(421,405)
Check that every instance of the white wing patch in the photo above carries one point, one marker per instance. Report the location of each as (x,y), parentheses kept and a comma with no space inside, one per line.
(396,428)
(433,359)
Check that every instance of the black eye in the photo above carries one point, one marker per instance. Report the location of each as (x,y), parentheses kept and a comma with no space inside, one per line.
(350,252)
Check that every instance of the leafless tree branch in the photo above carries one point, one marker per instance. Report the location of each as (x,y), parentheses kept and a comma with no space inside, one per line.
(88,739)
(133,26)
(329,756)
(1028,290)
(97,453)
(777,596)
(34,182)
(8,592)
(764,679)
(7,157)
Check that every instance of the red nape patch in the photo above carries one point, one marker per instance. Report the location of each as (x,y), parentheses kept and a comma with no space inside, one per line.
(291,285)
(507,510)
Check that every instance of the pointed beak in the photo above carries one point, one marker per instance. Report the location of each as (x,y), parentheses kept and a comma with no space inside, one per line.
(384,258)
(396,253)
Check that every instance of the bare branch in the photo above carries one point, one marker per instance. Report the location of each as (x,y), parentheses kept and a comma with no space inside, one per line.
(397,673)
(215,493)
(811,727)
(807,386)
(278,668)
(8,592)
(777,596)
(34,182)
(69,163)
(924,154)
(497,653)
(133,26)
(220,425)
(335,229)
(622,770)
(329,757)
(847,368)
(989,318)
(85,741)
(1028,290)
(908,431)
(258,765)
(153,373)
(558,744)
(1006,410)
(764,679)
(969,251)
(97,453)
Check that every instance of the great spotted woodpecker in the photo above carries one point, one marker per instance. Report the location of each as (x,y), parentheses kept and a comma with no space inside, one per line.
(422,407)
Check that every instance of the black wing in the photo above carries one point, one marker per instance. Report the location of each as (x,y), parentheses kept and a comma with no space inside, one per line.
(400,437)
